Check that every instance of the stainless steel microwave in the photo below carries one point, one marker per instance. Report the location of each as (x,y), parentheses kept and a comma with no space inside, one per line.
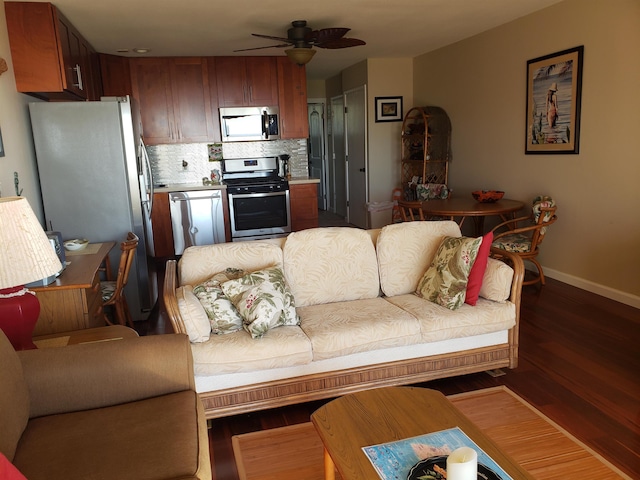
(242,124)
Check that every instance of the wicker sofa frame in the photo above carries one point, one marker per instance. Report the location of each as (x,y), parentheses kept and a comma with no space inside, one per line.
(260,396)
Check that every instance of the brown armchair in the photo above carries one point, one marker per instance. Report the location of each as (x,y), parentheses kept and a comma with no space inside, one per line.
(124,409)
(524,235)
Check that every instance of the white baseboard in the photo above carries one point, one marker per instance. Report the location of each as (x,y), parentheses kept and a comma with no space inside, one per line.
(613,294)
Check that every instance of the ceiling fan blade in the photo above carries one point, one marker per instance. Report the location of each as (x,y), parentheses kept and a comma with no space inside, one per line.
(280,39)
(282,45)
(341,43)
(326,35)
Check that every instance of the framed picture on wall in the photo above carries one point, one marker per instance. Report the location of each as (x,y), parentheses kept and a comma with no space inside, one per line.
(388,109)
(554,90)
(1,145)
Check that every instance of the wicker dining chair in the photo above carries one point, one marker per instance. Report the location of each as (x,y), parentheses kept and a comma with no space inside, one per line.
(524,235)
(113,290)
(410,210)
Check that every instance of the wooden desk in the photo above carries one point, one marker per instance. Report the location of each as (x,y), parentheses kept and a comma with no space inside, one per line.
(381,415)
(464,207)
(73,301)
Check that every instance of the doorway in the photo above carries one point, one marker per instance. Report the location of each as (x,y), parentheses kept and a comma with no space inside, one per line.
(316,147)
(356,154)
(337,165)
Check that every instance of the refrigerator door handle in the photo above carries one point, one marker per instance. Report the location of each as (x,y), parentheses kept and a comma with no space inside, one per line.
(147,176)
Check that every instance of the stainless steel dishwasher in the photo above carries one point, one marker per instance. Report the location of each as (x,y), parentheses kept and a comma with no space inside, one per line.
(197,218)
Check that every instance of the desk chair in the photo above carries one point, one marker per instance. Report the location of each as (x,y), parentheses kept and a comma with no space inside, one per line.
(113,290)
(524,235)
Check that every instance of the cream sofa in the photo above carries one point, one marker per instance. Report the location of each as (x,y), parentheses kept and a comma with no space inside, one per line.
(361,325)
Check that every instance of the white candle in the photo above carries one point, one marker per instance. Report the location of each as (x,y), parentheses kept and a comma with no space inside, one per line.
(462,464)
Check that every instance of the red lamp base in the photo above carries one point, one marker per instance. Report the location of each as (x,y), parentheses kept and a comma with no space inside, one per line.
(19,311)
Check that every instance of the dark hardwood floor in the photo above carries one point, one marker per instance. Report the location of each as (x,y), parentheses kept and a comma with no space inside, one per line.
(579,365)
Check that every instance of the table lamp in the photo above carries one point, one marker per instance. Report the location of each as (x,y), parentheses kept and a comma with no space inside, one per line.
(26,255)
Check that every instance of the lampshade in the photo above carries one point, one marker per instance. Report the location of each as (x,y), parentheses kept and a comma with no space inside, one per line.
(300,55)
(26,255)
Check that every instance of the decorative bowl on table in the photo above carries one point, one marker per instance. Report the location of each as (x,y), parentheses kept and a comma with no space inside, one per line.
(76,244)
(487,196)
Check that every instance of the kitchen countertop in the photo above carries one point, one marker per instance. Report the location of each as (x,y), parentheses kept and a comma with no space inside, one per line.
(181,187)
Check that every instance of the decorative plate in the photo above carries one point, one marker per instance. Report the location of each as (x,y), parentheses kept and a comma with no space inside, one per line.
(434,467)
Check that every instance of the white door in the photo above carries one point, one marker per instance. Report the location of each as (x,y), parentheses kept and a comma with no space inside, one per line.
(356,135)
(316,149)
(337,165)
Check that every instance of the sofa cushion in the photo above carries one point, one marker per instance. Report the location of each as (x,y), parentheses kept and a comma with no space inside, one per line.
(405,251)
(263,299)
(330,264)
(440,323)
(445,281)
(343,328)
(195,318)
(238,352)
(130,441)
(496,283)
(477,270)
(14,398)
(222,314)
(202,262)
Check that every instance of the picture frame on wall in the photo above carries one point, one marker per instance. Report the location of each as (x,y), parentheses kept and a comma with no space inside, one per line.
(554,91)
(388,109)
(1,145)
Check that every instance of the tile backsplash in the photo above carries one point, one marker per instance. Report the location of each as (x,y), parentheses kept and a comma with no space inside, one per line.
(188,163)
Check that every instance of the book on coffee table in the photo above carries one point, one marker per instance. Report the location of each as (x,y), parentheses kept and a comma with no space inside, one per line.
(425,457)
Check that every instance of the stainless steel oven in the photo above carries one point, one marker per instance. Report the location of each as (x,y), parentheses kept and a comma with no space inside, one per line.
(259,204)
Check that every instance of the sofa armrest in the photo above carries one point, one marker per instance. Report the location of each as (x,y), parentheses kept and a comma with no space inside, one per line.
(95,375)
(169,297)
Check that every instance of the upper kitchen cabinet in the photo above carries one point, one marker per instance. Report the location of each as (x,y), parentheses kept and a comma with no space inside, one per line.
(292,86)
(174,99)
(51,60)
(247,81)
(116,76)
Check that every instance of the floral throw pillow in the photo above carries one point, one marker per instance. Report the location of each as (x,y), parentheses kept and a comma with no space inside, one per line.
(223,315)
(445,281)
(263,299)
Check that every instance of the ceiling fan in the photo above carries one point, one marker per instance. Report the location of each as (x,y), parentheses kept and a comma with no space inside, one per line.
(303,39)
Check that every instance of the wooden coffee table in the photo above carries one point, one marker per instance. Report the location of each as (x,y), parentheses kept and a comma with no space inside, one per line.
(347,424)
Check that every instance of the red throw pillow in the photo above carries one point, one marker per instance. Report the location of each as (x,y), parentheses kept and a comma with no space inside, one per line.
(8,471)
(477,270)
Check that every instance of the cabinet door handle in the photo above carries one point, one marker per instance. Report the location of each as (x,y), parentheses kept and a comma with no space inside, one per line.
(78,76)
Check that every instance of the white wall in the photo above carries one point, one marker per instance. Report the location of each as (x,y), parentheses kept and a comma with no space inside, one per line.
(481,83)
(16,133)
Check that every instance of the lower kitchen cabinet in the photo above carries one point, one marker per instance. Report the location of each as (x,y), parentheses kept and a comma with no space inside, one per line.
(161,225)
(304,206)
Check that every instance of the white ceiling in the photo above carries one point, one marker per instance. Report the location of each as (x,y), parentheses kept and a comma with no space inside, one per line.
(391,28)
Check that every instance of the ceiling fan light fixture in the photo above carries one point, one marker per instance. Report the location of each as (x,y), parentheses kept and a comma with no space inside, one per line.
(300,55)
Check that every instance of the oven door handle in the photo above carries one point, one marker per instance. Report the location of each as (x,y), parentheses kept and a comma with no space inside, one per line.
(254,195)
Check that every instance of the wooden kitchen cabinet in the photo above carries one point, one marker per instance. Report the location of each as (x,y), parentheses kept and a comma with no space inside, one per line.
(292,86)
(116,75)
(173,95)
(51,60)
(161,225)
(304,206)
(247,81)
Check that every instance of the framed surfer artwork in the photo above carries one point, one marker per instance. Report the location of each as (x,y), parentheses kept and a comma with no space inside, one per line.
(554,90)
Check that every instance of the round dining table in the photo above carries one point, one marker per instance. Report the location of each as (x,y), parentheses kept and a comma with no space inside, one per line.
(463,207)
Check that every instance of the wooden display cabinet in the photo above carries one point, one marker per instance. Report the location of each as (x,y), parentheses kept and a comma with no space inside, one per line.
(426,148)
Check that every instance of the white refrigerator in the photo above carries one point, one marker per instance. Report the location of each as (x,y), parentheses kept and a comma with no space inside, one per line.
(96,183)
